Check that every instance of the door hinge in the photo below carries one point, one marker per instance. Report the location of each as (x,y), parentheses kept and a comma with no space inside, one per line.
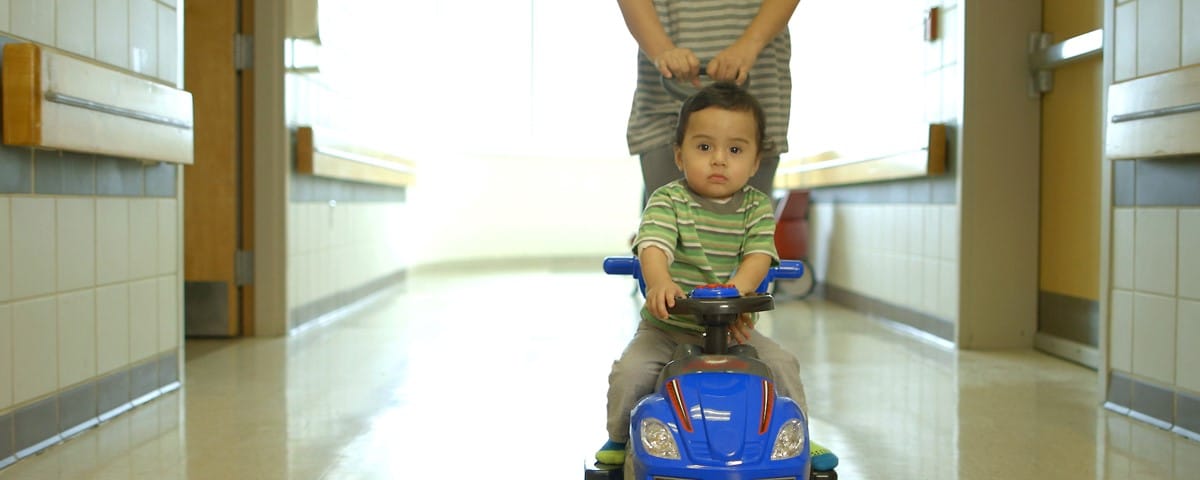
(243,52)
(243,267)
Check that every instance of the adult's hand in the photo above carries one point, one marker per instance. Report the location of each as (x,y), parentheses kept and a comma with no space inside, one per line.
(732,64)
(680,64)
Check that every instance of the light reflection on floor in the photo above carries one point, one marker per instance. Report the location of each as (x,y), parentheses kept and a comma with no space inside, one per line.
(502,375)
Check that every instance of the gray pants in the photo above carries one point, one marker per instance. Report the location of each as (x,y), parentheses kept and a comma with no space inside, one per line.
(634,375)
(658,169)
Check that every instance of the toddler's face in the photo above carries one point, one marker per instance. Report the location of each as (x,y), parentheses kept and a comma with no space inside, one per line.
(719,153)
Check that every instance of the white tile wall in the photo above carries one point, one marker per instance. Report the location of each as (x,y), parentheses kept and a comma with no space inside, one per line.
(5,251)
(5,8)
(168,48)
(950,233)
(112,327)
(143,319)
(76,337)
(1187,375)
(948,295)
(168,236)
(76,26)
(933,233)
(1191,32)
(33,19)
(1155,254)
(902,254)
(336,249)
(112,240)
(931,284)
(33,246)
(139,35)
(168,312)
(112,32)
(143,238)
(143,36)
(1157,36)
(6,356)
(1120,338)
(1189,254)
(76,230)
(951,35)
(1125,42)
(1122,248)
(296,212)
(915,225)
(35,348)
(933,84)
(57,328)
(1154,337)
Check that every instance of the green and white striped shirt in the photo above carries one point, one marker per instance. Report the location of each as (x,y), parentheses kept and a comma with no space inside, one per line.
(705,240)
(707,27)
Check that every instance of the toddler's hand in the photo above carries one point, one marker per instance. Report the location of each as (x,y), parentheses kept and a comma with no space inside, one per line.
(741,328)
(661,297)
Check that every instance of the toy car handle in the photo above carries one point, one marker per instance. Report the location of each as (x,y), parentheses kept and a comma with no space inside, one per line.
(681,90)
(629,265)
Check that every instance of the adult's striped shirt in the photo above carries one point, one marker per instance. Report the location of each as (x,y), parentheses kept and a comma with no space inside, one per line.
(707,27)
(706,239)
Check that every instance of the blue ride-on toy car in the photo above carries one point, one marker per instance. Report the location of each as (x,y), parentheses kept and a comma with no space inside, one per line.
(715,413)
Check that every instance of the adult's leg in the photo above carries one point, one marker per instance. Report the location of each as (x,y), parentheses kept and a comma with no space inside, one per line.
(658,169)
(764,179)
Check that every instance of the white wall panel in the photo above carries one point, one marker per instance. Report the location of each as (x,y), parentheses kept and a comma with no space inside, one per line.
(1154,337)
(76,337)
(76,26)
(112,327)
(76,244)
(35,348)
(33,251)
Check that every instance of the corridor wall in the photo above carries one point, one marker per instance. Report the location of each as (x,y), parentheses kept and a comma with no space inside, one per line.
(90,245)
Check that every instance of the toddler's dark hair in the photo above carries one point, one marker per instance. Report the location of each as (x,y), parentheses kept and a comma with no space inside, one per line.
(729,96)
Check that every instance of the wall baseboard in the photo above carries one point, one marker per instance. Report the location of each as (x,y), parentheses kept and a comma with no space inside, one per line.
(1162,406)
(924,322)
(35,426)
(330,306)
(1085,355)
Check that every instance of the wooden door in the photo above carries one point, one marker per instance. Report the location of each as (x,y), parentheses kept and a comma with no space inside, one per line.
(217,206)
(1068,296)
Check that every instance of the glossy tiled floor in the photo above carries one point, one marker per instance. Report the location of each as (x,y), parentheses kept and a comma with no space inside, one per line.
(502,375)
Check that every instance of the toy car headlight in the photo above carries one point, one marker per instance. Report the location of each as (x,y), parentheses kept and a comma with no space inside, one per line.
(790,440)
(658,440)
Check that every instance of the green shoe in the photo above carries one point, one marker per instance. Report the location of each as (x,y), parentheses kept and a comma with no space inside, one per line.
(823,460)
(612,453)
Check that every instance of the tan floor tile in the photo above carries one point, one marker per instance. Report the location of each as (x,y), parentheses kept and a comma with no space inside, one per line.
(462,375)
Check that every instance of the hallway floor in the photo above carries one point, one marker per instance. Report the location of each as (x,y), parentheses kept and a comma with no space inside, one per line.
(460,376)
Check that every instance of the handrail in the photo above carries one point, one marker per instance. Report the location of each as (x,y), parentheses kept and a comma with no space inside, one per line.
(1044,57)
(331,157)
(833,168)
(54,100)
(95,106)
(1156,112)
(1154,116)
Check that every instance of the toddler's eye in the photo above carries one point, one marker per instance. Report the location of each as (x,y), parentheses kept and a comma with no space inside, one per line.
(704,147)
(735,150)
